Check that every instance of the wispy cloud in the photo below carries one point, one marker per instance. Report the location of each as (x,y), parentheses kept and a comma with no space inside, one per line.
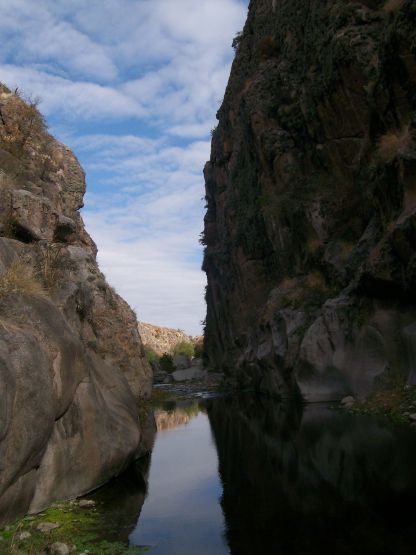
(133,87)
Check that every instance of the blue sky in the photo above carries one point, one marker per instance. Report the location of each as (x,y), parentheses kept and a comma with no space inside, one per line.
(132,86)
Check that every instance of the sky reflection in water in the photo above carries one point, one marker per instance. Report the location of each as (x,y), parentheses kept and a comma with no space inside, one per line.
(182,514)
(253,476)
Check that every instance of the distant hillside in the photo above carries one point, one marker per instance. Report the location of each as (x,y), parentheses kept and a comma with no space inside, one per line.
(162,340)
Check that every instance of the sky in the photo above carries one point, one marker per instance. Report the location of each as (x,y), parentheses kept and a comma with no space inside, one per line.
(132,87)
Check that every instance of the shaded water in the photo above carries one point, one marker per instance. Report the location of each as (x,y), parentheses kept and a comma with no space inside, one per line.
(254,476)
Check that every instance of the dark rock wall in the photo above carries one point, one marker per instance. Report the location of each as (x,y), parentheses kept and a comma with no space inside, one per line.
(72,367)
(310,227)
(311,480)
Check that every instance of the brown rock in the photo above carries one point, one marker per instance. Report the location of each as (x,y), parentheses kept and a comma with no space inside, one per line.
(310,224)
(72,366)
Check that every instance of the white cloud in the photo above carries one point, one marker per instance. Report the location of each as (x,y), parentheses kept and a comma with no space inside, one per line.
(61,97)
(133,87)
(37,36)
(148,234)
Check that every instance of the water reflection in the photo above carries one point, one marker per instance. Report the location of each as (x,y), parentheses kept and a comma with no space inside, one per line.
(182,514)
(173,415)
(247,476)
(313,480)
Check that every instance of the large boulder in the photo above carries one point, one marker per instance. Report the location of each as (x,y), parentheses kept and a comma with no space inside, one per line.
(72,365)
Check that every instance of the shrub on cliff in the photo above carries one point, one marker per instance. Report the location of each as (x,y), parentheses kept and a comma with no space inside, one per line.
(18,278)
(20,123)
(166,363)
(150,355)
(199,347)
(396,144)
(184,348)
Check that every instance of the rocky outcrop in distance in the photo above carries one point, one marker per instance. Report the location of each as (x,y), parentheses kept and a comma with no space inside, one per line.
(310,229)
(163,340)
(72,365)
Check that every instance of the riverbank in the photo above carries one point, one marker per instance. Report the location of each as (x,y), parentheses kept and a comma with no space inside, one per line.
(397,403)
(77,527)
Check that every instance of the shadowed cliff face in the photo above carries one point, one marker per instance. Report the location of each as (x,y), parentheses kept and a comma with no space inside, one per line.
(312,480)
(72,367)
(310,230)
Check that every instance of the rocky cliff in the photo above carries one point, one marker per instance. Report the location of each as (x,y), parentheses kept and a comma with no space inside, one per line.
(72,367)
(310,228)
(162,340)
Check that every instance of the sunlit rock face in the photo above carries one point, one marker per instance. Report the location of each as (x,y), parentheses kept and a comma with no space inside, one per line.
(162,340)
(72,367)
(311,193)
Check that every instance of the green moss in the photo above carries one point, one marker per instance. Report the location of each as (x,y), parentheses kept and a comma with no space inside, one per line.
(82,527)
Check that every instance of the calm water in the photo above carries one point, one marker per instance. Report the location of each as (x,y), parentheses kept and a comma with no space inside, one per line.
(249,476)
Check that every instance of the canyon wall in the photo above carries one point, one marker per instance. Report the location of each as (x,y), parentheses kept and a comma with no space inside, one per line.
(72,366)
(310,229)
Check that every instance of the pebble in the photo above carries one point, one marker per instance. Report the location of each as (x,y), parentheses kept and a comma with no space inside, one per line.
(86,503)
(348,401)
(24,536)
(60,548)
(412,416)
(46,527)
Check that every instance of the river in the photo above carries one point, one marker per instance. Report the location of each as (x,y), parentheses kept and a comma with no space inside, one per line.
(253,476)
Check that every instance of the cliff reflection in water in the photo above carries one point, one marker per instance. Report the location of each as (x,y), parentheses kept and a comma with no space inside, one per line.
(173,415)
(312,480)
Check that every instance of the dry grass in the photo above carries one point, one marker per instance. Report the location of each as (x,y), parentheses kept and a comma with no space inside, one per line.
(393,5)
(20,124)
(51,267)
(395,144)
(18,278)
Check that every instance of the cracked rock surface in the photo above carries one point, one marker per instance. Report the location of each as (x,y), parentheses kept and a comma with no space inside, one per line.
(310,229)
(72,366)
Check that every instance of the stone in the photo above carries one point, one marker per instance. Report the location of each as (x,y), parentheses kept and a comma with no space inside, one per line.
(348,401)
(59,548)
(188,374)
(24,536)
(412,416)
(47,527)
(181,362)
(86,503)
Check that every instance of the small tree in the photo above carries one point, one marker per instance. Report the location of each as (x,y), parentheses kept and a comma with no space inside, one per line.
(20,123)
(150,355)
(166,363)
(184,348)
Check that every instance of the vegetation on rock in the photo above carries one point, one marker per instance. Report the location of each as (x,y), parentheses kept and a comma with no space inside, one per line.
(80,529)
(310,189)
(73,368)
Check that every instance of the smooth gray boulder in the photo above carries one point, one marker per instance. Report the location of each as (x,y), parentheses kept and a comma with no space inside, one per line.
(72,365)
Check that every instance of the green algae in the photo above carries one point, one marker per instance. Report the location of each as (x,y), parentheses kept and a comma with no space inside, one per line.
(81,528)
